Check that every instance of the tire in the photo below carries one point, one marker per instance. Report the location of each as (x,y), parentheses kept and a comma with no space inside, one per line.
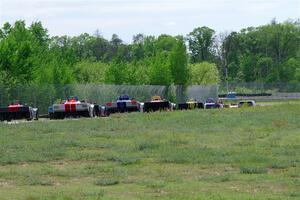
(94,113)
(36,116)
(106,113)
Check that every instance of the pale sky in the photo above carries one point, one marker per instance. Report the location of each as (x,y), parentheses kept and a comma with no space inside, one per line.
(151,17)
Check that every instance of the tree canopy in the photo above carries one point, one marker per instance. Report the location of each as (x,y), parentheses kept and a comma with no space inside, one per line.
(268,53)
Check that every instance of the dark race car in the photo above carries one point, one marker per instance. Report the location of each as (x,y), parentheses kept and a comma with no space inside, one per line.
(17,111)
(71,107)
(248,103)
(158,104)
(123,104)
(191,104)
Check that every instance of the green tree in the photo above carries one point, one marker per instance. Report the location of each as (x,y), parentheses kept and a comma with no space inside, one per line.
(20,52)
(204,74)
(179,62)
(201,41)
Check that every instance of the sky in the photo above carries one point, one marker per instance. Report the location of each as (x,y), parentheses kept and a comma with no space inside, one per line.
(151,17)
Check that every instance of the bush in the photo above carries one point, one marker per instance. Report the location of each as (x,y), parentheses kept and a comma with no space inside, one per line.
(145,145)
(33,180)
(253,170)
(123,159)
(295,194)
(283,164)
(106,182)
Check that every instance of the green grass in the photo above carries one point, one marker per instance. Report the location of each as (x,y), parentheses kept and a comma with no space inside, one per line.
(249,153)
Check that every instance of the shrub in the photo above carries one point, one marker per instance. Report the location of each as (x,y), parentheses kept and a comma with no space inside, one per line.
(253,170)
(295,194)
(106,182)
(123,159)
(144,145)
(33,180)
(279,165)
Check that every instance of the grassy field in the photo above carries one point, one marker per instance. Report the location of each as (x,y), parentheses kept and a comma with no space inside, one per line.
(249,153)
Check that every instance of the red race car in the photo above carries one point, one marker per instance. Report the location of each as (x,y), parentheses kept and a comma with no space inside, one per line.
(16,111)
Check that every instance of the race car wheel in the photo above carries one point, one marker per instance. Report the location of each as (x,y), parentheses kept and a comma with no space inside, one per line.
(29,116)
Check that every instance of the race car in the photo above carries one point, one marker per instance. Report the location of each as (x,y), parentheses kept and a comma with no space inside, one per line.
(158,104)
(71,107)
(190,104)
(248,103)
(16,111)
(211,103)
(123,104)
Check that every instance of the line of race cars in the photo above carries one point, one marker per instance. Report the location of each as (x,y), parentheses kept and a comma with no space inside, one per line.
(73,107)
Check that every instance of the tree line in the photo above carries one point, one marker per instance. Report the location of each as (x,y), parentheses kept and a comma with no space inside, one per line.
(268,53)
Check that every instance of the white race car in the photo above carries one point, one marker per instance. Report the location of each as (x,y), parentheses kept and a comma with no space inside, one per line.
(71,107)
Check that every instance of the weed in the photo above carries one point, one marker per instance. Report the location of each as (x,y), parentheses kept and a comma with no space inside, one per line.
(106,182)
(253,170)
(34,180)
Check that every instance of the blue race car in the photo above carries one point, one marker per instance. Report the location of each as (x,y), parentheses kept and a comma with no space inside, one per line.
(123,104)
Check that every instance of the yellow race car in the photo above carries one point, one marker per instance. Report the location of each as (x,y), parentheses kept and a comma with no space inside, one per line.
(190,104)
(158,104)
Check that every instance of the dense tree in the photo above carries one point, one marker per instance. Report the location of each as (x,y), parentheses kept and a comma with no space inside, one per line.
(201,42)
(268,53)
(262,53)
(19,53)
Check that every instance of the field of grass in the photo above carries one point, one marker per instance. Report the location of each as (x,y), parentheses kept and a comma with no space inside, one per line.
(248,153)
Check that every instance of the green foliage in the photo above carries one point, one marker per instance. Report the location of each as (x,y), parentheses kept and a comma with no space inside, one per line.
(201,42)
(106,182)
(178,63)
(253,170)
(268,53)
(204,74)
(17,52)
(116,73)
(160,72)
(90,72)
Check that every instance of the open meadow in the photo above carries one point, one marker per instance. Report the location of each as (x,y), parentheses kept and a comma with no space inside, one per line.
(248,153)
